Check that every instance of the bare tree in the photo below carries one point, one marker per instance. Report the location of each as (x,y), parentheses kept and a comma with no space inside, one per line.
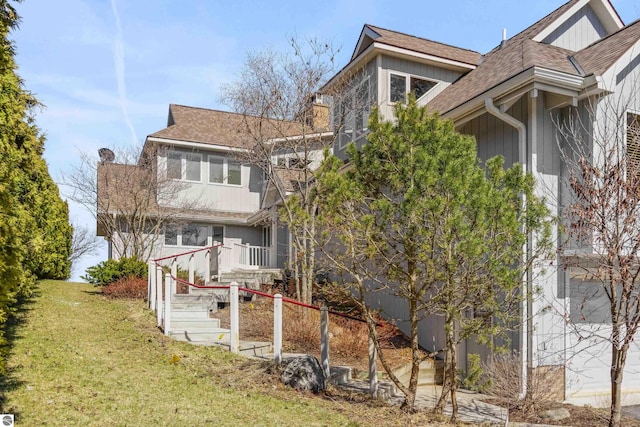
(600,143)
(131,202)
(83,243)
(289,123)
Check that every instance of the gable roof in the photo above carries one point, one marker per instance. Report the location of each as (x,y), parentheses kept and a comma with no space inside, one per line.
(214,127)
(415,44)
(507,60)
(601,55)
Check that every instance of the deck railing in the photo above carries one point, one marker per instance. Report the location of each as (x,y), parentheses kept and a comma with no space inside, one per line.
(160,300)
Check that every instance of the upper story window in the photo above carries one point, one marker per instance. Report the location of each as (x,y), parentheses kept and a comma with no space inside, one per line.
(401,84)
(351,113)
(224,171)
(633,146)
(184,166)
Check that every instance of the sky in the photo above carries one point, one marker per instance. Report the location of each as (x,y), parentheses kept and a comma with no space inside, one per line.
(107,70)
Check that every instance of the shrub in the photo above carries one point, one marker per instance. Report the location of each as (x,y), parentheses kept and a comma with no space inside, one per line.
(126,287)
(110,271)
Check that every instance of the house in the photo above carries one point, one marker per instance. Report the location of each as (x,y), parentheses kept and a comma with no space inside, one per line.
(572,64)
(512,100)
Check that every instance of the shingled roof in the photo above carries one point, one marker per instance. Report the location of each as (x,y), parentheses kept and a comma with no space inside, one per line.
(601,55)
(214,127)
(505,61)
(422,45)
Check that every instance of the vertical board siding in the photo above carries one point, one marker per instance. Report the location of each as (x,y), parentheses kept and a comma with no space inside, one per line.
(578,32)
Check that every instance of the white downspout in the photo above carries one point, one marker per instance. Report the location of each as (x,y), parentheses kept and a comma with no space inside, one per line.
(527,305)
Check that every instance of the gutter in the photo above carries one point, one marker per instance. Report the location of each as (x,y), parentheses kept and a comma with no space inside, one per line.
(526,343)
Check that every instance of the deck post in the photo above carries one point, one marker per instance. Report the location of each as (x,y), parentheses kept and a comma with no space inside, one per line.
(324,342)
(167,303)
(151,284)
(159,295)
(234,336)
(174,273)
(277,328)
(207,267)
(192,273)
(373,368)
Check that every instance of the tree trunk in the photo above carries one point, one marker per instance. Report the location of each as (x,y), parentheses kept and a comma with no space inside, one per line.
(449,385)
(415,357)
(618,359)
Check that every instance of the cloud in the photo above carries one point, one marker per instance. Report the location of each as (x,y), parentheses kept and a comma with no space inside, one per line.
(118,59)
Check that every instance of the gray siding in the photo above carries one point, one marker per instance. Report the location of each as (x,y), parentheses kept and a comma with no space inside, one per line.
(578,32)
(247,235)
(494,137)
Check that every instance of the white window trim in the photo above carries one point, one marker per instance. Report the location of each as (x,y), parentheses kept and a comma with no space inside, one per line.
(183,165)
(225,171)
(407,85)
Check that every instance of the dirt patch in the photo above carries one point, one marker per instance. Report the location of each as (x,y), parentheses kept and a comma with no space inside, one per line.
(348,339)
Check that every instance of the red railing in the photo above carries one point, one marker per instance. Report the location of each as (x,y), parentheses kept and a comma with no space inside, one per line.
(157,260)
(252,291)
(265,294)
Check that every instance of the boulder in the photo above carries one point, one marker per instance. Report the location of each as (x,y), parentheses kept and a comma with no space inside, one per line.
(557,414)
(304,373)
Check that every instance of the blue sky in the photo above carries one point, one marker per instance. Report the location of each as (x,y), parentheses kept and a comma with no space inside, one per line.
(106,70)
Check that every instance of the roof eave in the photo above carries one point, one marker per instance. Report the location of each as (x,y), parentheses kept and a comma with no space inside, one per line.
(513,88)
(195,144)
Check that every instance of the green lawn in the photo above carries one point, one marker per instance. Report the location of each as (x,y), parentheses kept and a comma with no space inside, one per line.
(80,359)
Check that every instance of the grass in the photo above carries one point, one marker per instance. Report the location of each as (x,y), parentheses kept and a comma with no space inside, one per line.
(78,358)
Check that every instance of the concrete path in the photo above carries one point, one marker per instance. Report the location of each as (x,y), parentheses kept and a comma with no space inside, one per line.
(470,408)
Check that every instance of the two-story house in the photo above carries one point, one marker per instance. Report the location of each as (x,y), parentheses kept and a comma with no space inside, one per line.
(572,63)
(578,63)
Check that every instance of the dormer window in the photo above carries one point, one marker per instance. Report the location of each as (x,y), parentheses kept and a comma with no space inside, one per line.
(401,84)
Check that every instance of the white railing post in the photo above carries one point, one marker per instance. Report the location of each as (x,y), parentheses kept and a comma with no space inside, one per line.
(159,307)
(167,303)
(207,267)
(234,337)
(151,284)
(324,342)
(277,328)
(373,368)
(192,272)
(174,273)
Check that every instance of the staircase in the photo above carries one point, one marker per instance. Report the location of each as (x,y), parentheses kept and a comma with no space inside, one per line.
(431,372)
(190,319)
(190,322)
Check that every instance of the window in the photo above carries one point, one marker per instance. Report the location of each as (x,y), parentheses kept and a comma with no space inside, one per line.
(171,235)
(193,166)
(195,235)
(266,236)
(190,234)
(398,88)
(224,171)
(400,85)
(174,165)
(217,233)
(351,113)
(235,173)
(633,147)
(183,166)
(216,170)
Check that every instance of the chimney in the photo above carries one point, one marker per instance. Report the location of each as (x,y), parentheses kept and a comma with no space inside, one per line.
(317,113)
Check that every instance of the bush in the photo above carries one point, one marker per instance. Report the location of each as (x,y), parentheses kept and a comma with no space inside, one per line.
(127,287)
(110,271)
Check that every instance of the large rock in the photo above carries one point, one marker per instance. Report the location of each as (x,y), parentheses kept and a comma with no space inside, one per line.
(557,414)
(304,373)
